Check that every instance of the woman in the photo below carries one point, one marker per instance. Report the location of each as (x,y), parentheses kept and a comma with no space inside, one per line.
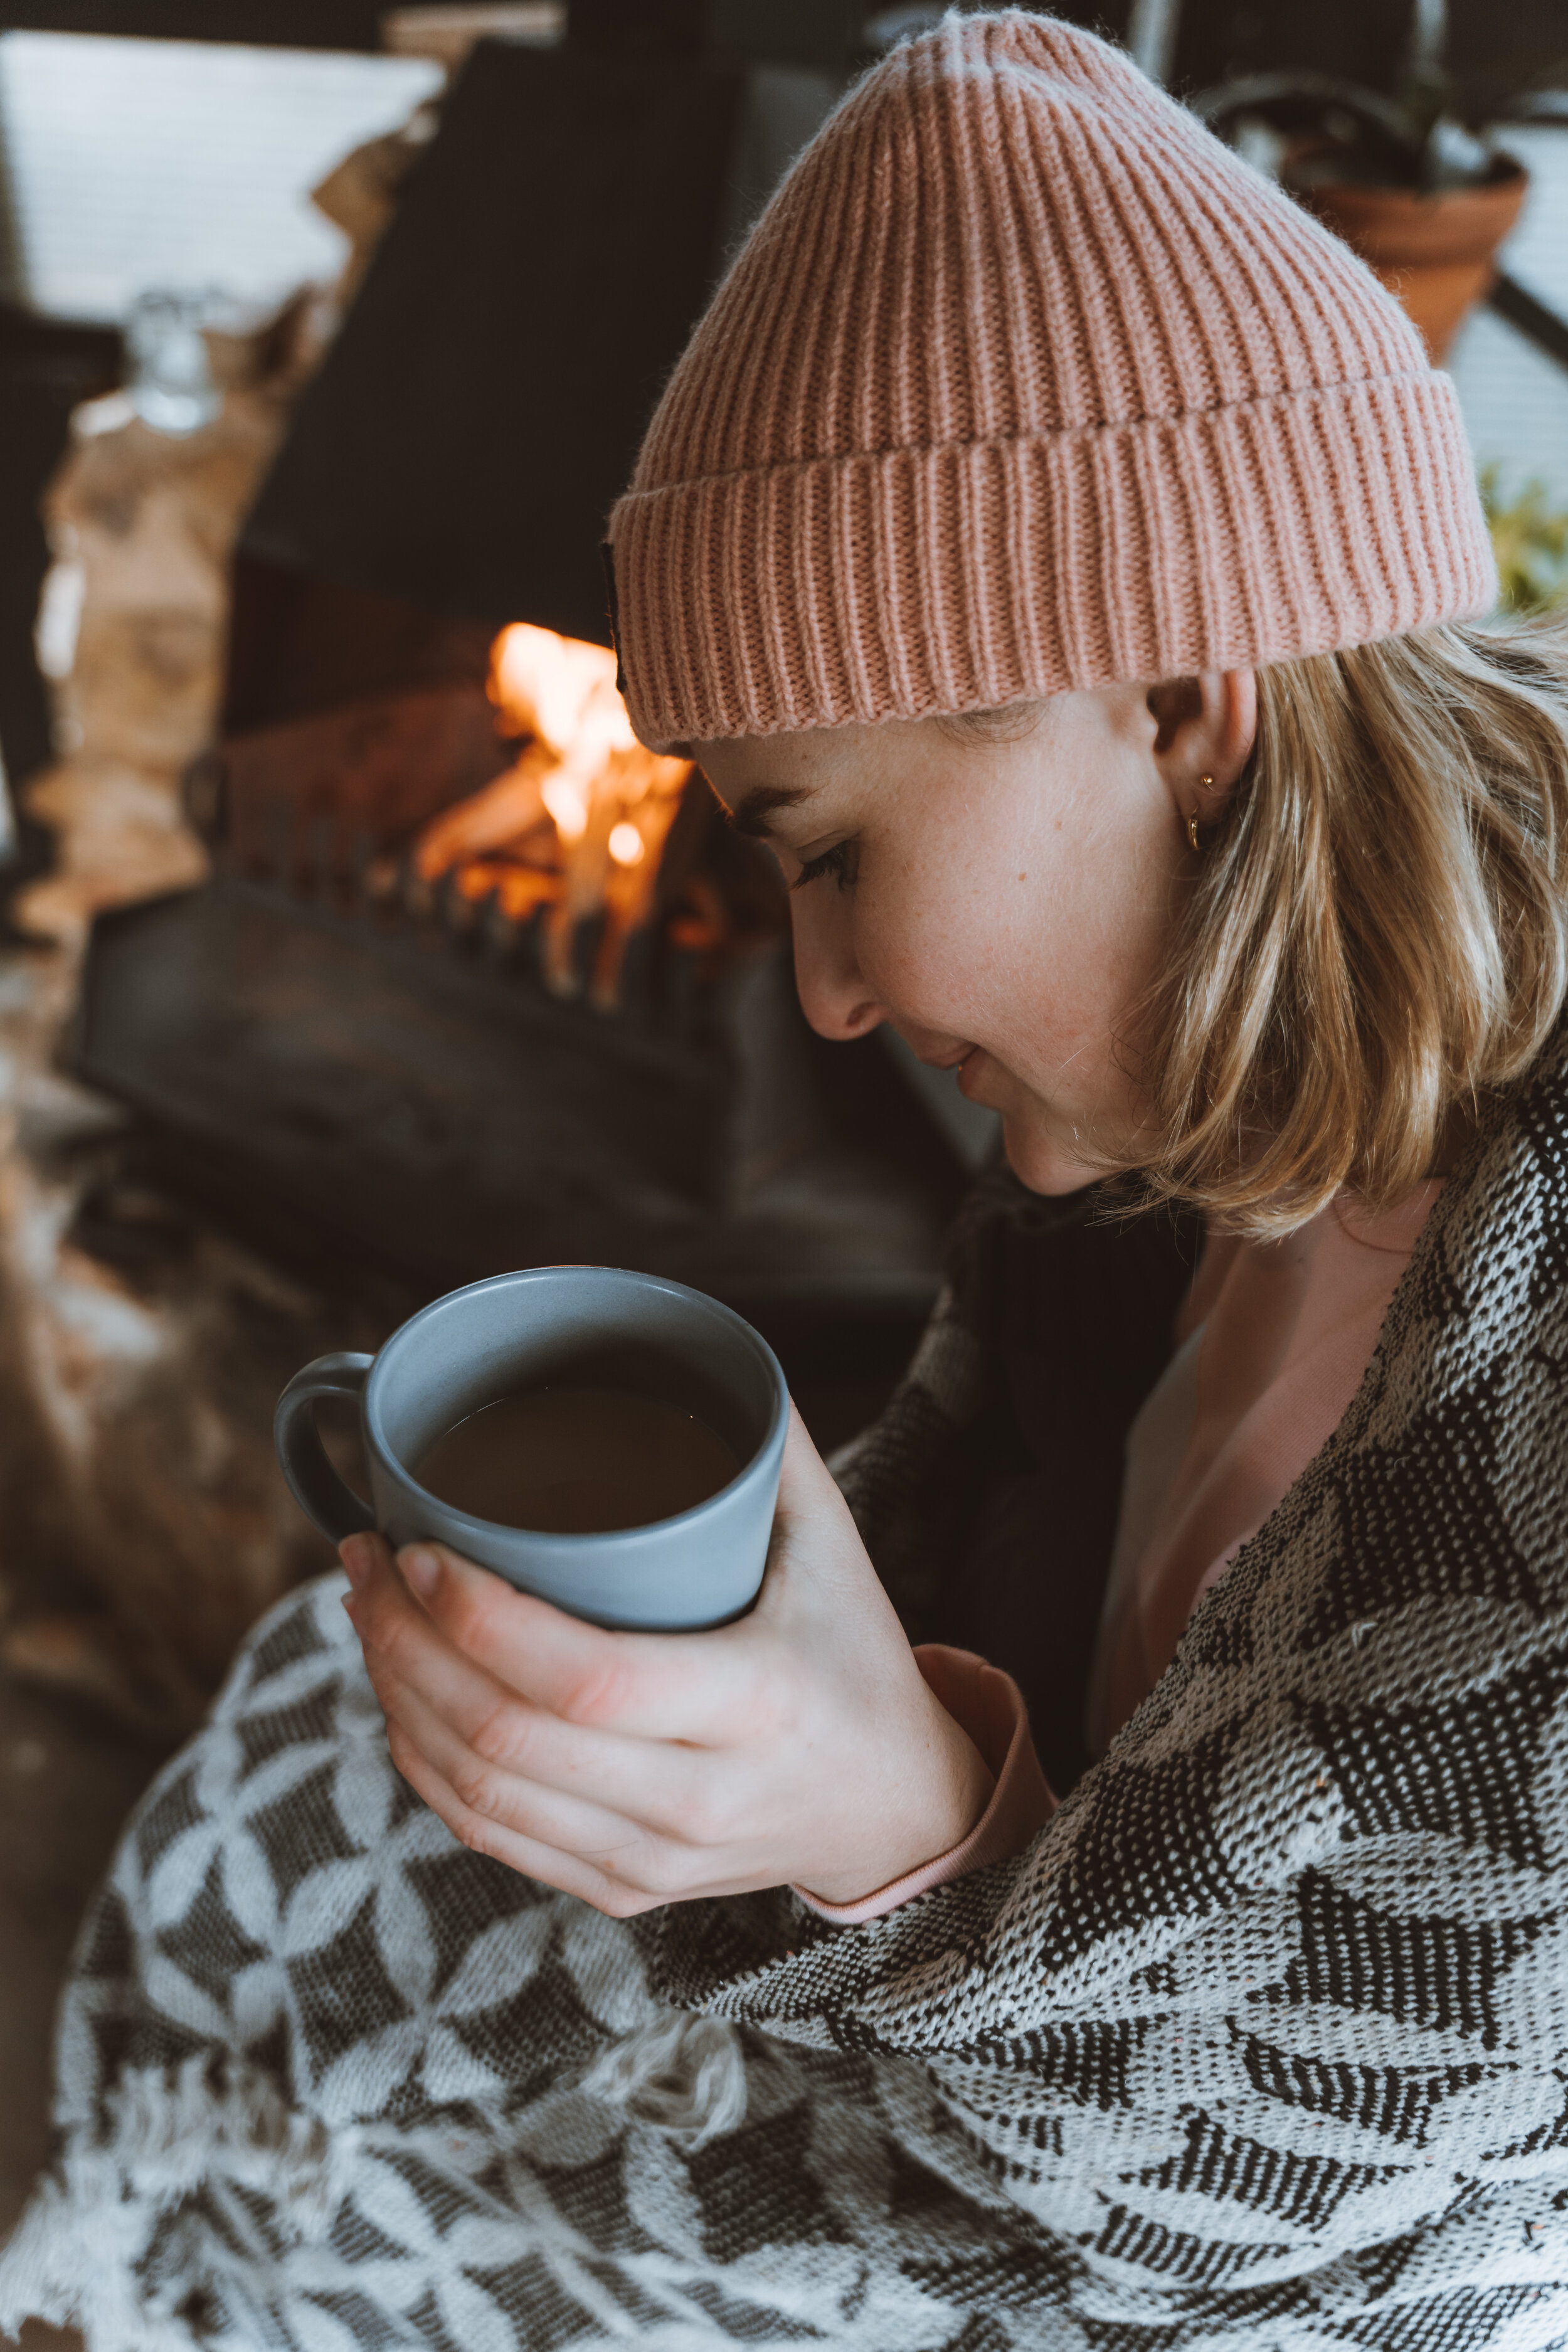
(1056,546)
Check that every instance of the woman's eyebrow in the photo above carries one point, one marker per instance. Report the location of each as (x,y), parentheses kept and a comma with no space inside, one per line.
(752,809)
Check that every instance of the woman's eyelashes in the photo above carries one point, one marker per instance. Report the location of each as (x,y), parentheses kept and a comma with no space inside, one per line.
(842,861)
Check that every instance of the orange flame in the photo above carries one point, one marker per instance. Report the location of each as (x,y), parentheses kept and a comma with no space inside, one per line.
(579,822)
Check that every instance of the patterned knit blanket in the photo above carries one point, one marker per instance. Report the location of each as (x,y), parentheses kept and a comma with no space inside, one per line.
(1262,2043)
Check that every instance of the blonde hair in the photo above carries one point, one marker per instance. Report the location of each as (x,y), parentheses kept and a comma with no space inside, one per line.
(1376,938)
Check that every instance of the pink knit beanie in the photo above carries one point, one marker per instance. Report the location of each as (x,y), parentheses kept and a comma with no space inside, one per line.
(1024,382)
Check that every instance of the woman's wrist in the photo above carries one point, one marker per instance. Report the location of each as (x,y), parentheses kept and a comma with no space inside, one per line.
(987,1706)
(929,1812)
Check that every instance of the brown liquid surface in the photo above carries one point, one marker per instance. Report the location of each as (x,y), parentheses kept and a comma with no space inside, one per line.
(577,1461)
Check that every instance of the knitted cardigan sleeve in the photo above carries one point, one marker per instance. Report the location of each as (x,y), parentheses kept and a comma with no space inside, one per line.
(1308,1904)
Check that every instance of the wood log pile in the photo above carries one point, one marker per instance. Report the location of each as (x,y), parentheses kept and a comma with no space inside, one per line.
(142,1522)
(134,633)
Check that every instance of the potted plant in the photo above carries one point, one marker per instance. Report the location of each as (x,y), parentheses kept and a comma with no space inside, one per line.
(1530,534)
(1400,177)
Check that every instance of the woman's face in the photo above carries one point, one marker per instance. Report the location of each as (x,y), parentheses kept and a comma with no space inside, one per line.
(1002,904)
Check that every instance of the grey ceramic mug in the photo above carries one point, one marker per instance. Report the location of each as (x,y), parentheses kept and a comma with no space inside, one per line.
(545,1325)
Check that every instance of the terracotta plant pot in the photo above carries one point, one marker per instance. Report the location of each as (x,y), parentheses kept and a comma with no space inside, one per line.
(1435,252)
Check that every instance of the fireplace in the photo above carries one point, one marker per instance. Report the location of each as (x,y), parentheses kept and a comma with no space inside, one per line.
(477,981)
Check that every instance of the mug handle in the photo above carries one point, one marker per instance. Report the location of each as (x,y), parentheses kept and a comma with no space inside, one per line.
(315,1485)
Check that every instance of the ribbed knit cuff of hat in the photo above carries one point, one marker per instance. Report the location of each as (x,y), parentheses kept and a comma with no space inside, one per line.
(959,578)
(1024,382)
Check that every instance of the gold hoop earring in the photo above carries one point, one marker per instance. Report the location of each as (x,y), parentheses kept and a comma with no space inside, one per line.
(1205,784)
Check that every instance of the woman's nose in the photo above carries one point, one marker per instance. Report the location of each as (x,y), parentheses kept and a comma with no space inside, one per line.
(833,997)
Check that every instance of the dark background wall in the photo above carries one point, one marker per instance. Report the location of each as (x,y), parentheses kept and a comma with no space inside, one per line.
(292,24)
(1494,45)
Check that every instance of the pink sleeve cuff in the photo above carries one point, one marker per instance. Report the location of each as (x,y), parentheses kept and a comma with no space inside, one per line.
(989,1706)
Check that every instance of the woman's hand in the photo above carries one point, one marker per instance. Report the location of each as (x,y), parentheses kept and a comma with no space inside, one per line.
(798,1745)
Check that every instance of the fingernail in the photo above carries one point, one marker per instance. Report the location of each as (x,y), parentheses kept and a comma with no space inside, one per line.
(350,1610)
(358,1556)
(420,1568)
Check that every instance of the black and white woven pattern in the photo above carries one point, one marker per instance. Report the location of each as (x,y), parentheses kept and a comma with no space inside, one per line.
(1263,2043)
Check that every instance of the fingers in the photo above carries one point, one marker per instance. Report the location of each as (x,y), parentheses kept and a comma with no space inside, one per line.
(552,1867)
(622,1880)
(633,1768)
(608,1841)
(476,1731)
(621,1855)
(362,1555)
(694,1688)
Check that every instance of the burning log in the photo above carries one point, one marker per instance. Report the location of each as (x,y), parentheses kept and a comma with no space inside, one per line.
(577,825)
(505,813)
(519,818)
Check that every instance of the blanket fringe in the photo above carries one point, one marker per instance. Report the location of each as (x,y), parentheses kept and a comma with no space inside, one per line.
(71,2260)
(685,2074)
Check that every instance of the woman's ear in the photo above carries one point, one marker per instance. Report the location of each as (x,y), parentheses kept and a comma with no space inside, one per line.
(1204,729)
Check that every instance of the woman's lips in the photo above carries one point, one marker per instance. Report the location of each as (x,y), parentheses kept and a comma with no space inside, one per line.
(967,1065)
(971,1069)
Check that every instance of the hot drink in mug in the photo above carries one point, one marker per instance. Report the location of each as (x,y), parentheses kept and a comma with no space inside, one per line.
(608,1441)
